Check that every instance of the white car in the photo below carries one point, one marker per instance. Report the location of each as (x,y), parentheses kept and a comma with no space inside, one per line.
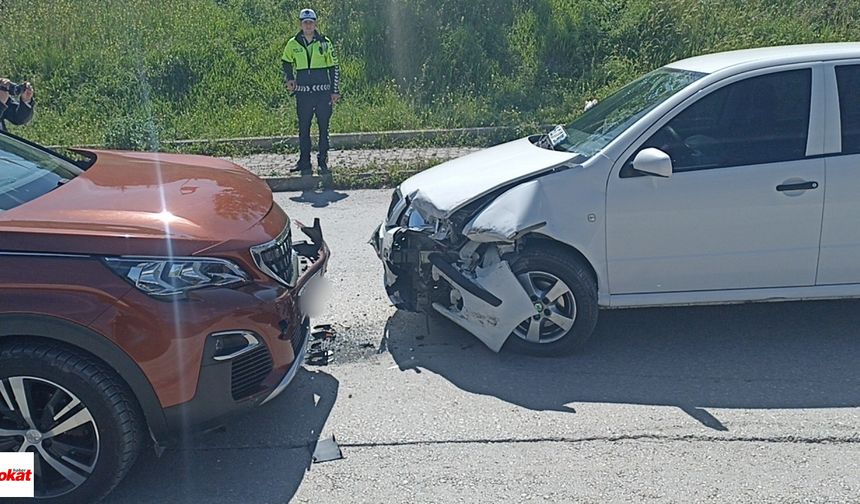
(724,178)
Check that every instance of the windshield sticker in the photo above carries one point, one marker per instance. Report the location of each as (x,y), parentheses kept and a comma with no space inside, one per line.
(557,135)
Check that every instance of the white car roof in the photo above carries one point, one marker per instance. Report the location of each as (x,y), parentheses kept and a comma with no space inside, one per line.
(769,56)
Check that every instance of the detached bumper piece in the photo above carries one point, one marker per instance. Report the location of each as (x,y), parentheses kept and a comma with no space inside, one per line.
(326,450)
(310,250)
(453,274)
(493,302)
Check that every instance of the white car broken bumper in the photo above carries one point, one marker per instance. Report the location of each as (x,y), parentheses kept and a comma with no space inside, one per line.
(492,302)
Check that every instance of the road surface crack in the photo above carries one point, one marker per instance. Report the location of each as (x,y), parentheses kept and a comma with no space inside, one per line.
(695,438)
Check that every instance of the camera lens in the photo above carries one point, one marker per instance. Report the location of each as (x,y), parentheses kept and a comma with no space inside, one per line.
(14,89)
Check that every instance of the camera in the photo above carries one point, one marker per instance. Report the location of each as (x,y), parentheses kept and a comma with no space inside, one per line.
(13,89)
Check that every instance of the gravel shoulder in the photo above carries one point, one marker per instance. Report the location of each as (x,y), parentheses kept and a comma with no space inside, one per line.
(279,165)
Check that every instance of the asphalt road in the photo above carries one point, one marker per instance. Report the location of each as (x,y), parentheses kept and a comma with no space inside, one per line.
(750,403)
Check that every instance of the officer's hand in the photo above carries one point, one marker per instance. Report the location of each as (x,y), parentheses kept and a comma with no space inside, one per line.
(334,98)
(291,85)
(4,95)
(27,95)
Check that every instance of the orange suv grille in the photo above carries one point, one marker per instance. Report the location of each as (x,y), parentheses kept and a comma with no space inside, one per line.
(275,258)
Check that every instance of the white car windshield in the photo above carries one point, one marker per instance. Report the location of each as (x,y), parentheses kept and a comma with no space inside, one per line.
(602,123)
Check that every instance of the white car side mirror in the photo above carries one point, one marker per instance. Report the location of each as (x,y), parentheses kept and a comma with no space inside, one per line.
(653,162)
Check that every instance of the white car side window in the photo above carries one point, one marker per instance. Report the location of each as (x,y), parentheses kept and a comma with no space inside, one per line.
(763,119)
(848,80)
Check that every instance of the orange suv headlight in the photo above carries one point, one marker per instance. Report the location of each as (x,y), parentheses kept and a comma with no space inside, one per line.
(173,276)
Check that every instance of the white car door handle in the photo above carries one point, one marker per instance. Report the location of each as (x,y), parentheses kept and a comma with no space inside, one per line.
(799,186)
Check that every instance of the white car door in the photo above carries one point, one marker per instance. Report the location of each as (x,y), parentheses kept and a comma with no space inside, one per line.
(840,235)
(743,206)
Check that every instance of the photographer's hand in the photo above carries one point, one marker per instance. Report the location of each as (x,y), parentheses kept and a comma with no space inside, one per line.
(4,95)
(27,95)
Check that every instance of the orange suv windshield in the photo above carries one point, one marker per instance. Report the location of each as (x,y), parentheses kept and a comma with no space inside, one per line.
(27,173)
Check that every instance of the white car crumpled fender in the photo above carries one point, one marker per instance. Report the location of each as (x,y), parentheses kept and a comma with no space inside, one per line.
(491,324)
(516,212)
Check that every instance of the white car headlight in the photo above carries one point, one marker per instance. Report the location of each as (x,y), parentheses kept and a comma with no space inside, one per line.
(437,229)
(416,221)
(171,276)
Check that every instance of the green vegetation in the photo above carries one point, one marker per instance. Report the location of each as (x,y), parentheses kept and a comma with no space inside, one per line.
(133,73)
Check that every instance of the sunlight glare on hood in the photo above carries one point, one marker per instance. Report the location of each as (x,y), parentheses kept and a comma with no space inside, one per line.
(165,217)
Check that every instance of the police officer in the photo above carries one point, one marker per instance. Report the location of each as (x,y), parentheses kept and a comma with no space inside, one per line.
(311,72)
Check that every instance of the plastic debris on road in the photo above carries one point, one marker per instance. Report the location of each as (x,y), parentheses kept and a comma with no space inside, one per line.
(321,348)
(327,450)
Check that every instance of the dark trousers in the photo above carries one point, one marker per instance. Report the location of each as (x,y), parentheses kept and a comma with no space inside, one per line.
(308,105)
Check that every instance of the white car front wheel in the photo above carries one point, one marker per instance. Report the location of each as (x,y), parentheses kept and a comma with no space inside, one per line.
(564,295)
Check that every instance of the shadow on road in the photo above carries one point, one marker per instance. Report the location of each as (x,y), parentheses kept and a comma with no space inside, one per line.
(259,456)
(320,199)
(780,355)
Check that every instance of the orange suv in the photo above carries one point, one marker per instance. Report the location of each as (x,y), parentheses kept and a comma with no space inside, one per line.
(140,294)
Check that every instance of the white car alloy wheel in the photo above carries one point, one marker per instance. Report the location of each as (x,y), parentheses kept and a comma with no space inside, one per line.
(564,296)
(555,308)
(40,416)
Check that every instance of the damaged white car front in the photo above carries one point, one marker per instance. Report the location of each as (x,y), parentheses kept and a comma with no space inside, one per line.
(476,255)
(429,264)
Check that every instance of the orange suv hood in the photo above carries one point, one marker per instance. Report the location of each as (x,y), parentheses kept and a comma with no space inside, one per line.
(132,202)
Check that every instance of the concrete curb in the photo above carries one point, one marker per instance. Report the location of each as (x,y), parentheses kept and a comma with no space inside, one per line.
(313,182)
(282,184)
(352,140)
(339,140)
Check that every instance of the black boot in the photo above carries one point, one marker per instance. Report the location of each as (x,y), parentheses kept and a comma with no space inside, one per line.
(303,167)
(322,162)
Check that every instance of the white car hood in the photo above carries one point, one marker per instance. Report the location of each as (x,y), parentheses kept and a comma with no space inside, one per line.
(443,189)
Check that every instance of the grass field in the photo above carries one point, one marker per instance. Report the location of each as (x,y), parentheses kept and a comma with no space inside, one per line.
(134,73)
